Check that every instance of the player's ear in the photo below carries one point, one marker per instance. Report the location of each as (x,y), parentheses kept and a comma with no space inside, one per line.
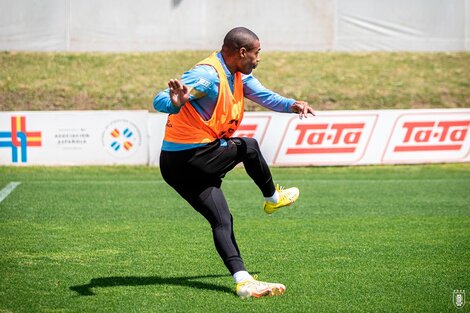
(242,52)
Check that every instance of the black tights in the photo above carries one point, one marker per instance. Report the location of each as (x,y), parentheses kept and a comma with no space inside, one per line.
(196,174)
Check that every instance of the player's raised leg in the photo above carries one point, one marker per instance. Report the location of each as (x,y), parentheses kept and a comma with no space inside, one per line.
(257,168)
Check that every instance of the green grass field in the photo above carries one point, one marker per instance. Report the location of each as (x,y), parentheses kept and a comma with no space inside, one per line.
(118,239)
(329,81)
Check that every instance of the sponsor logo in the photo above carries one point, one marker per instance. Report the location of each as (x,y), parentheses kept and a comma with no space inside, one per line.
(429,137)
(230,131)
(433,136)
(18,139)
(72,138)
(326,139)
(458,298)
(121,138)
(248,130)
(253,127)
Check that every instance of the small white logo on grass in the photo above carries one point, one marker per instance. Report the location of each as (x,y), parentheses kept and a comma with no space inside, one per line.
(458,297)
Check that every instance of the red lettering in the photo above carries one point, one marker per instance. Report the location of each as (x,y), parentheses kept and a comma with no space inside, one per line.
(340,127)
(327,138)
(433,136)
(248,127)
(458,135)
(412,125)
(352,137)
(306,127)
(315,138)
(446,125)
(423,135)
(247,130)
(320,150)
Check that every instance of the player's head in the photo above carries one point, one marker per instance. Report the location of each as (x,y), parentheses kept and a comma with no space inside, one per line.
(241,47)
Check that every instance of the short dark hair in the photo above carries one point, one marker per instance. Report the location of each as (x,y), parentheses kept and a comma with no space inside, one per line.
(239,37)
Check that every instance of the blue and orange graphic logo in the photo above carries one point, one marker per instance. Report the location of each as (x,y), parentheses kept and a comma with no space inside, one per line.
(19,139)
(122,138)
(116,145)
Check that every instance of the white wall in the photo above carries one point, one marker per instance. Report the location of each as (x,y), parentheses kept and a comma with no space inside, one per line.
(155,25)
(428,25)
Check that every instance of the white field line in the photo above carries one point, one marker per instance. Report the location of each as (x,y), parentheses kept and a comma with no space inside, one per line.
(7,190)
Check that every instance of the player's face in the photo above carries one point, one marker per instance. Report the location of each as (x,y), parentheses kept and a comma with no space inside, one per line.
(250,59)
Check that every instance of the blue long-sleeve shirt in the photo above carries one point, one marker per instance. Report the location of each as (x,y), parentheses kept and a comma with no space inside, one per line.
(204,81)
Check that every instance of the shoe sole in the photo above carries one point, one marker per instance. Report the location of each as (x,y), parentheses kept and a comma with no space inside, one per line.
(295,199)
(267,293)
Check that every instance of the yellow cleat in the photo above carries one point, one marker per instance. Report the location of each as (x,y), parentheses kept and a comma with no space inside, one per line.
(286,197)
(257,289)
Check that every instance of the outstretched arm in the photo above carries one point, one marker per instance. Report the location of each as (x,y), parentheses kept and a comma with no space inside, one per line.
(194,84)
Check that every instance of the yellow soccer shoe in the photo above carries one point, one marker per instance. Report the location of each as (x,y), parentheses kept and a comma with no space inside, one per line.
(257,289)
(286,197)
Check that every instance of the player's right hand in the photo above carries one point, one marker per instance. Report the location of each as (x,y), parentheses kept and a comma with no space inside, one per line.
(179,93)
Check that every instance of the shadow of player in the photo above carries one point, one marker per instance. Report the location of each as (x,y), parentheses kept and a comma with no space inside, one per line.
(116,281)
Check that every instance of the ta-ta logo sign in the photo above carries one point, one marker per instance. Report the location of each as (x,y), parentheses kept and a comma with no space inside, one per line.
(433,136)
(246,131)
(18,139)
(429,137)
(253,127)
(327,139)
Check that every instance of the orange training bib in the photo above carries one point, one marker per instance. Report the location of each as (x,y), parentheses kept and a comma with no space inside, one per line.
(187,126)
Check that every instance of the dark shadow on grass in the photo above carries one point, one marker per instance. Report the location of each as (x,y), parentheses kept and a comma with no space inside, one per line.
(103,282)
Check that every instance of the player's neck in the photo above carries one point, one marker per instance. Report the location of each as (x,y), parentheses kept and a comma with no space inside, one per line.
(231,66)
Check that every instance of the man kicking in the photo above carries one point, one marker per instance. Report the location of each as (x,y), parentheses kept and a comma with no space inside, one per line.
(205,108)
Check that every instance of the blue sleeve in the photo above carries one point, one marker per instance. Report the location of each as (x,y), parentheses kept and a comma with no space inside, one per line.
(162,103)
(200,78)
(256,92)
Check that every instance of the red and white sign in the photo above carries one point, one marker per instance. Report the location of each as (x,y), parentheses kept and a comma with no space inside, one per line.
(429,137)
(325,139)
(253,127)
(329,138)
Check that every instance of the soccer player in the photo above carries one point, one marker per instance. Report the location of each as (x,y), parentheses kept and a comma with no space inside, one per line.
(205,108)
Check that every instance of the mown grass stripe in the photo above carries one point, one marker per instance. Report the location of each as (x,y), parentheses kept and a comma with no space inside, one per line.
(248,180)
(7,190)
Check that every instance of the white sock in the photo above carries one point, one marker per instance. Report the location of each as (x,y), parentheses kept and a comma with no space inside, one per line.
(274,198)
(241,276)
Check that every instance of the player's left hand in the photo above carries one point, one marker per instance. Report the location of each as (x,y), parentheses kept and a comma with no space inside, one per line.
(302,108)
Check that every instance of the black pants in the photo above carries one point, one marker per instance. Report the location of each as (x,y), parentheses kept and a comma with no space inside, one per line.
(196,174)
